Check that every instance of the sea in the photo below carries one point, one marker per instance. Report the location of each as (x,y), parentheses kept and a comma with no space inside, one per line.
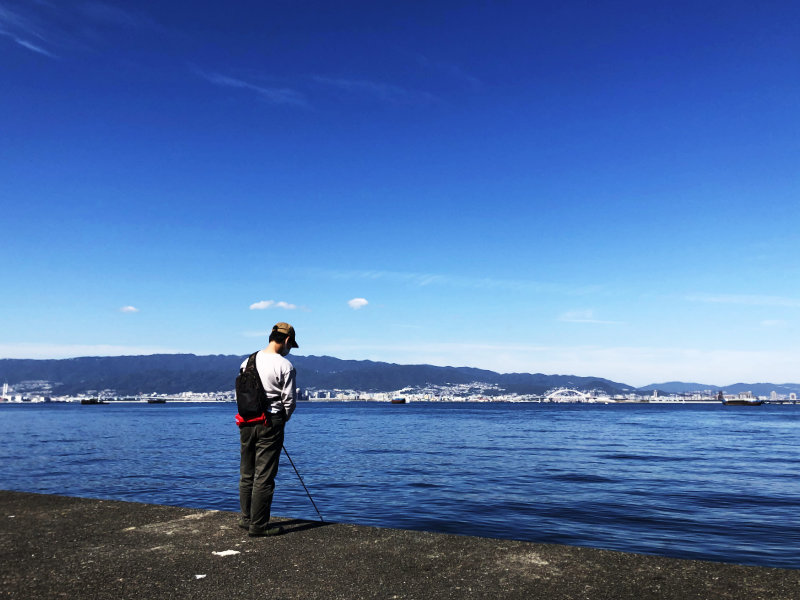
(698,481)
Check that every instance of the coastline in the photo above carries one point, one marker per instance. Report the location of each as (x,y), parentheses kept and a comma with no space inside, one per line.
(59,545)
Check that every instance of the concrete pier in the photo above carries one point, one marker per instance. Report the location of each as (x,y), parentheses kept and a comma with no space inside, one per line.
(55,546)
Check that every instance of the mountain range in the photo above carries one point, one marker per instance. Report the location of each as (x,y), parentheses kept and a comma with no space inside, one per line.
(175,373)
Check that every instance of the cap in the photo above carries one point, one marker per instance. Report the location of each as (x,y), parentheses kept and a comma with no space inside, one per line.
(286,329)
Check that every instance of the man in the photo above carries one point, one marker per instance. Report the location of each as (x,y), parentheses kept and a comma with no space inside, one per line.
(262,437)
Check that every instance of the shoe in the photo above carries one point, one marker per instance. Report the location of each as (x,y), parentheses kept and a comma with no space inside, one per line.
(269,531)
(243,524)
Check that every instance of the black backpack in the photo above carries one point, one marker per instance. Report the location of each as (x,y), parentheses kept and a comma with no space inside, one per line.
(250,395)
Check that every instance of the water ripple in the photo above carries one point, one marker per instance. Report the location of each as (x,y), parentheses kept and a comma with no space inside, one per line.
(723,487)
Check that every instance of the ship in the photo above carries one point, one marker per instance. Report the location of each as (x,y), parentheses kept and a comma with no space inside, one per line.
(398,400)
(738,401)
(742,402)
(92,401)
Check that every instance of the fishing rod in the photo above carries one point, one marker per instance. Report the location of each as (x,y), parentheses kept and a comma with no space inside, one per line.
(302,483)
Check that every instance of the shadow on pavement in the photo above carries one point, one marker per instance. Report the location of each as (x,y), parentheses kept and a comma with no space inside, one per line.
(297,525)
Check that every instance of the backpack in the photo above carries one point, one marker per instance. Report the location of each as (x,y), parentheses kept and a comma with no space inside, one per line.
(251,399)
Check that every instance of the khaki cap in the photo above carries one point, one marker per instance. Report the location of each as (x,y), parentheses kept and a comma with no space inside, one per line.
(286,329)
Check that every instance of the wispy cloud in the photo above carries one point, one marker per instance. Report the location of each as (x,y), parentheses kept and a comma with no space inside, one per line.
(584,316)
(129,309)
(745,299)
(274,95)
(41,26)
(264,304)
(110,14)
(435,279)
(12,20)
(22,29)
(448,69)
(33,47)
(298,94)
(385,92)
(357,303)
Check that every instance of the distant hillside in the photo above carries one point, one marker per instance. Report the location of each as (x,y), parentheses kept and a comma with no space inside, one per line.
(763,389)
(173,373)
(325,372)
(678,387)
(162,373)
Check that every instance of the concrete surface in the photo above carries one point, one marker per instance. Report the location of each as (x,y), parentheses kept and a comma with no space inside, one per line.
(55,546)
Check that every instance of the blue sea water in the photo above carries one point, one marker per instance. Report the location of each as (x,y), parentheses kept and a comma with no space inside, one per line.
(691,481)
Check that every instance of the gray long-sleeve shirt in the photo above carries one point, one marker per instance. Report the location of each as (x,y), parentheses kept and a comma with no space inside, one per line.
(278,378)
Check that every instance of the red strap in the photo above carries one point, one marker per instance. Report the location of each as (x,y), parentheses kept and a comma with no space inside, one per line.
(241,421)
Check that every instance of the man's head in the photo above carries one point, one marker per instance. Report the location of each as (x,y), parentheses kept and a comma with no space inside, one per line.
(283,335)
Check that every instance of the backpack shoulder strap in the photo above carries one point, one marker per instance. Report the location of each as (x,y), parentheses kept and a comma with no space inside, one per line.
(251,366)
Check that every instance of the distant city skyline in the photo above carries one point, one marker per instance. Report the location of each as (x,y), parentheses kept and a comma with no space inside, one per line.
(600,190)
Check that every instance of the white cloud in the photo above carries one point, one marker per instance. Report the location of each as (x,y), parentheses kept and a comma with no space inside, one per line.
(357,303)
(264,304)
(22,29)
(129,309)
(109,15)
(434,279)
(451,70)
(70,26)
(274,95)
(33,47)
(382,91)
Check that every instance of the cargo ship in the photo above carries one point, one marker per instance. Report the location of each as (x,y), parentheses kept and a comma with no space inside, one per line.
(738,401)
(742,402)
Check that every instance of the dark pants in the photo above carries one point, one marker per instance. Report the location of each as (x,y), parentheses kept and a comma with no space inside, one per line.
(261,452)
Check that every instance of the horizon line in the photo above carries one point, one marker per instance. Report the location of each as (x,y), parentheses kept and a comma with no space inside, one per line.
(709,386)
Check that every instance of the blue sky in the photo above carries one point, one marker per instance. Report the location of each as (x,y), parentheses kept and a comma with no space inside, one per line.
(595,188)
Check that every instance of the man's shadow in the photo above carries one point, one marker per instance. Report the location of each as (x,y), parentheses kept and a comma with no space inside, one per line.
(298,525)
